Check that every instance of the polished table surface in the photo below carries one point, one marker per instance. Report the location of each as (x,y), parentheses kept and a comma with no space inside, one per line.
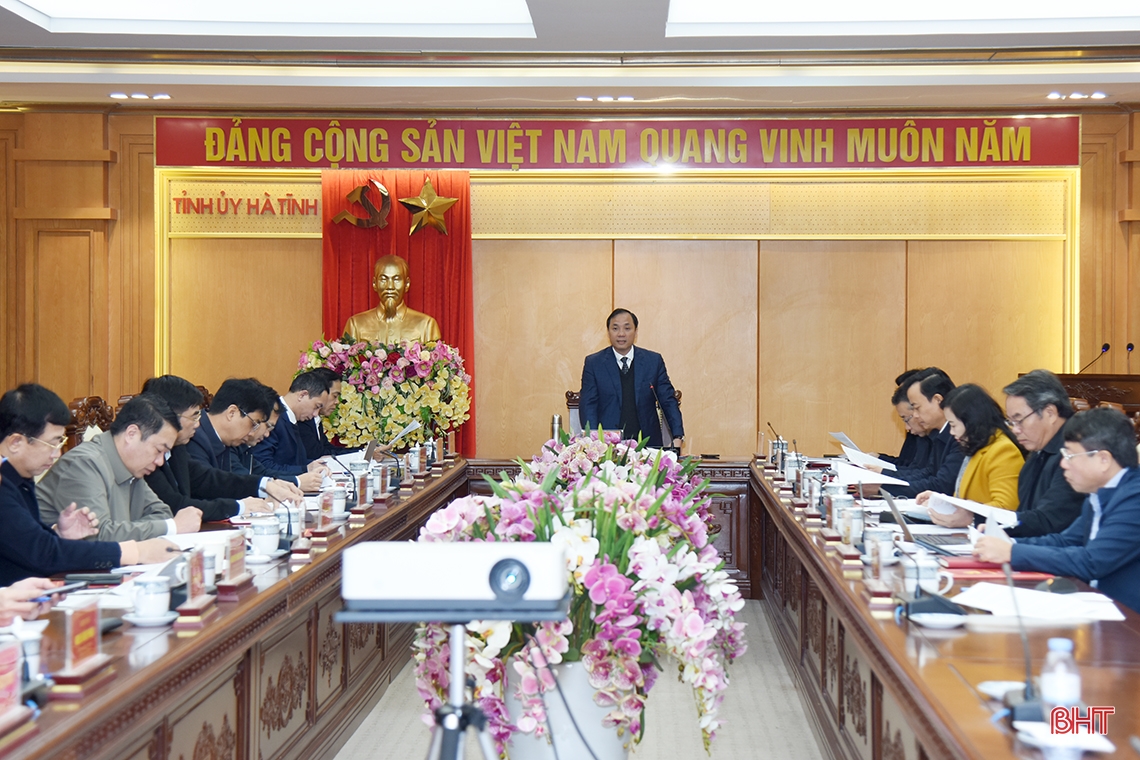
(933,673)
(156,671)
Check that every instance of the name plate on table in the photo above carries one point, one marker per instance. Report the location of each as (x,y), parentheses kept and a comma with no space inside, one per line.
(84,663)
(199,608)
(237,578)
(15,718)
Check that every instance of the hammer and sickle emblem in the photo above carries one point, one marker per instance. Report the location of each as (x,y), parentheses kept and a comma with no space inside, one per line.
(377,217)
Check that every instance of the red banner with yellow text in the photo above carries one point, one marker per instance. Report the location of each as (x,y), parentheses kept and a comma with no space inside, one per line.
(882,143)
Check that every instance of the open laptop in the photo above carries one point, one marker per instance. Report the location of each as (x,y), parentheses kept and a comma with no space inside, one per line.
(934,542)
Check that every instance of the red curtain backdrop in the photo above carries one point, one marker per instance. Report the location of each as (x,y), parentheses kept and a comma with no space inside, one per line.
(439,265)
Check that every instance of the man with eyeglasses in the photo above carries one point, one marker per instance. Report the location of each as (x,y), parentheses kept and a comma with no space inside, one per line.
(1102,546)
(915,451)
(1037,407)
(107,474)
(925,391)
(283,449)
(185,481)
(32,420)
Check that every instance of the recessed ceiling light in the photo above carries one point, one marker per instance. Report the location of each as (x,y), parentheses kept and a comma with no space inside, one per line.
(119,95)
(583,99)
(625,98)
(139,96)
(162,96)
(1078,96)
(605,98)
(1055,96)
(1098,96)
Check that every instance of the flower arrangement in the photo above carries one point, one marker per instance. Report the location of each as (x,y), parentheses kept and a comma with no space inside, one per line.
(646,586)
(387,386)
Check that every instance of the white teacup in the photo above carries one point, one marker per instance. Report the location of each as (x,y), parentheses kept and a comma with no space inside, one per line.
(339,501)
(925,570)
(151,596)
(265,533)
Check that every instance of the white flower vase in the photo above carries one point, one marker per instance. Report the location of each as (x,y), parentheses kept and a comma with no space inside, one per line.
(573,678)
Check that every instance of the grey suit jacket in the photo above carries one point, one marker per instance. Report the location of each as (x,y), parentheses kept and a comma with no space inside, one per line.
(93,475)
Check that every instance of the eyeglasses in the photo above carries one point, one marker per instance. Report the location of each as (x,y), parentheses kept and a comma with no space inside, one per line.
(906,420)
(1016,422)
(191,416)
(1071,454)
(53,446)
(256,423)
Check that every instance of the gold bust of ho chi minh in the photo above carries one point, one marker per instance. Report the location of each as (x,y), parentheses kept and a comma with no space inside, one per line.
(392,321)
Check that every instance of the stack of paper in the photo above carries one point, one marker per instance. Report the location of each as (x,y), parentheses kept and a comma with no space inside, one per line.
(866,460)
(849,475)
(1039,605)
(946,504)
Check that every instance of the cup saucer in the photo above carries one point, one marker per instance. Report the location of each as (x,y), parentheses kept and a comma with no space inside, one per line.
(261,559)
(151,622)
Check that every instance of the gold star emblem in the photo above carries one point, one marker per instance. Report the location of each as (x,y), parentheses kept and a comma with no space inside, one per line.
(427,209)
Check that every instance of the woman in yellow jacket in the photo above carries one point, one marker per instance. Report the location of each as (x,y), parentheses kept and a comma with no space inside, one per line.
(993,457)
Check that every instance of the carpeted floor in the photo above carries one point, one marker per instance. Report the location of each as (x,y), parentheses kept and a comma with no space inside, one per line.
(763,712)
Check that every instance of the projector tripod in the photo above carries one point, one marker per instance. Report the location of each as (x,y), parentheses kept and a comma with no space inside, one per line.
(454,718)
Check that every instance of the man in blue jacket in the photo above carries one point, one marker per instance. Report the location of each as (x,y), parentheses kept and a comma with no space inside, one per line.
(622,386)
(1102,547)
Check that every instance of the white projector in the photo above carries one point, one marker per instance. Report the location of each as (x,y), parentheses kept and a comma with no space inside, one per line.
(383,581)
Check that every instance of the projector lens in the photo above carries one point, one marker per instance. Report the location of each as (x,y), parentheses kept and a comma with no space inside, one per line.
(509,580)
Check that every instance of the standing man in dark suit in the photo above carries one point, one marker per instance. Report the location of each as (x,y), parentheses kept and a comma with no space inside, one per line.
(621,386)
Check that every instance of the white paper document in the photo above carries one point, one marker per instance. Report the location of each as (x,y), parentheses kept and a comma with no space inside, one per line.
(413,425)
(945,504)
(866,460)
(1039,605)
(849,475)
(843,439)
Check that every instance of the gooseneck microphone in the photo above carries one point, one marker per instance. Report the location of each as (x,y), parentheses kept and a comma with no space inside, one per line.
(1103,351)
(1028,705)
(769,424)
(1128,365)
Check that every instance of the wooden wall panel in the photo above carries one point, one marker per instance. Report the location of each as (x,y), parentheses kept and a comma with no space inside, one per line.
(9,283)
(243,308)
(985,310)
(1104,289)
(64,321)
(131,253)
(696,304)
(832,340)
(540,307)
(63,184)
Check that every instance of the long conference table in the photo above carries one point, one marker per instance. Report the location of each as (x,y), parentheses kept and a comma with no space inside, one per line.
(274,676)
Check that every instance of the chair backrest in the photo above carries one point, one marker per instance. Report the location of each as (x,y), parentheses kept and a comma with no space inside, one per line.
(1111,405)
(574,422)
(206,395)
(86,412)
(1080,404)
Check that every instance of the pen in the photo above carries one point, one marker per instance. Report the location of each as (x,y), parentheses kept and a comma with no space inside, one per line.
(177,551)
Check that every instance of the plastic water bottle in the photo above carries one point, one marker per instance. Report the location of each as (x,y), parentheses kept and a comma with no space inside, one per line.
(1060,680)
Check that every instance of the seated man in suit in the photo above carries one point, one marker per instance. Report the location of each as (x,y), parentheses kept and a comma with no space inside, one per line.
(32,421)
(312,433)
(283,449)
(622,386)
(915,451)
(1102,547)
(925,391)
(241,459)
(185,481)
